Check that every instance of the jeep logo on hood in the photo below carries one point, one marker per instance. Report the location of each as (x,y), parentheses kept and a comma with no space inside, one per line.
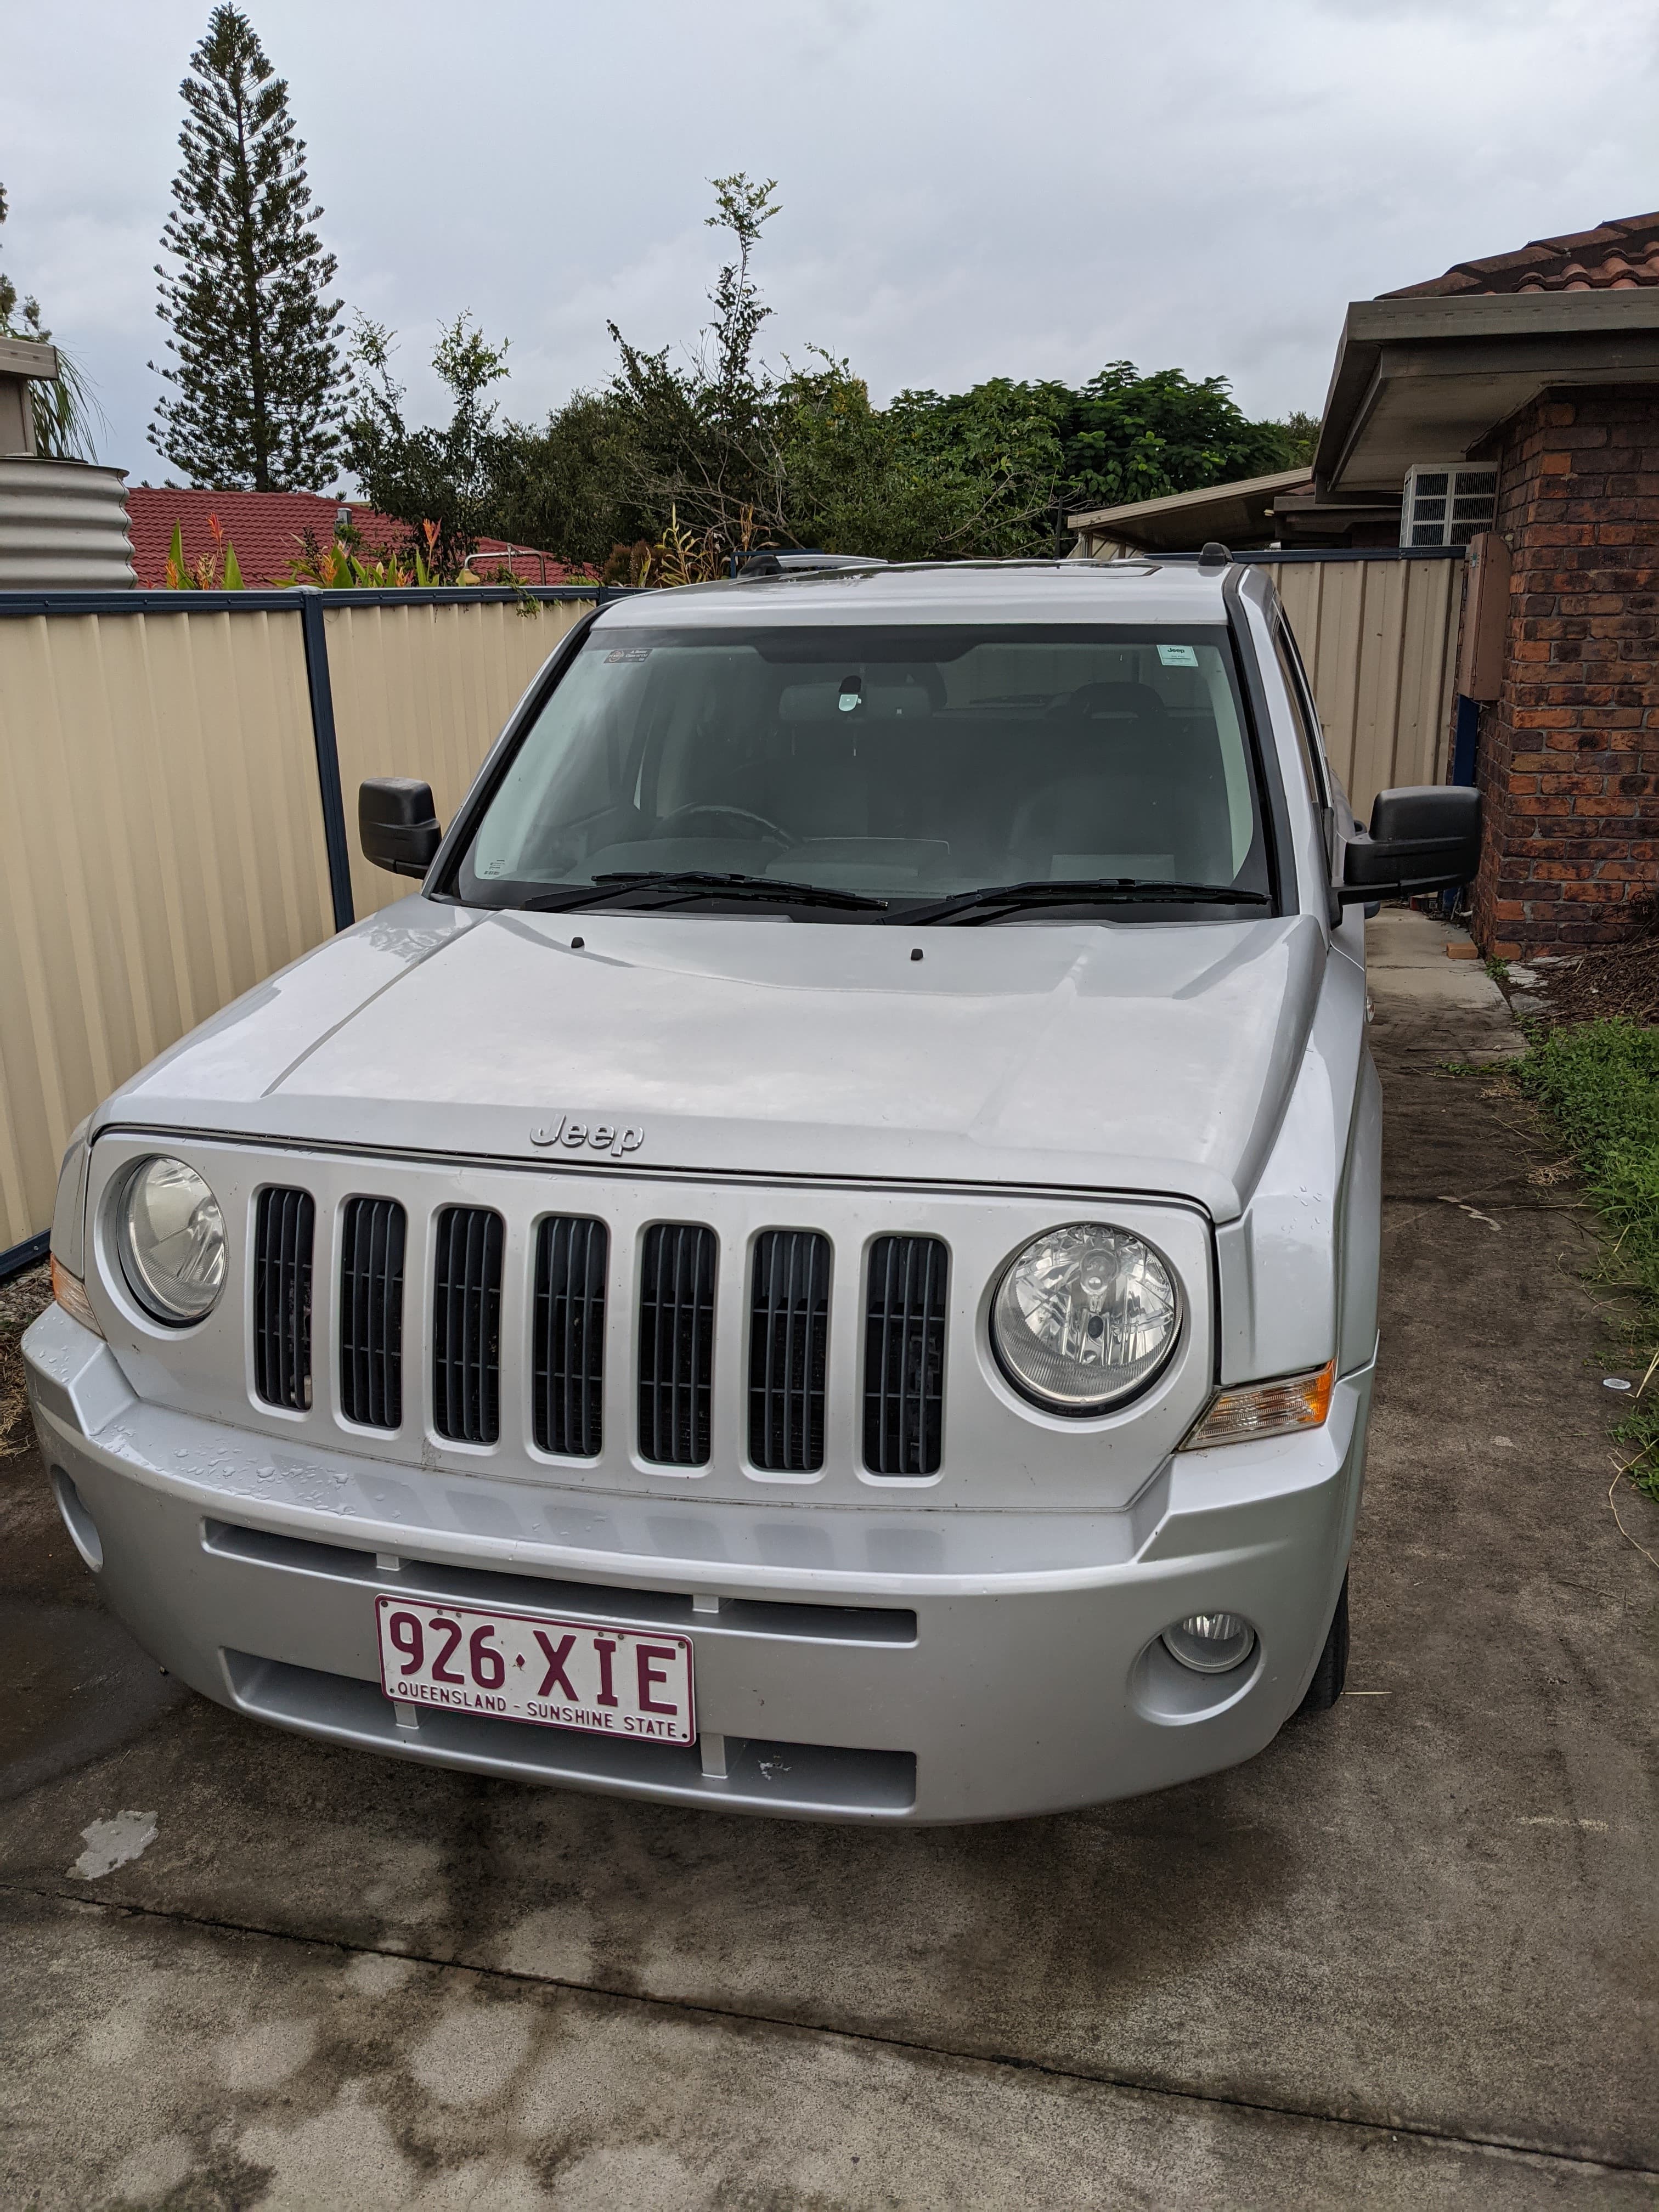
(585,1136)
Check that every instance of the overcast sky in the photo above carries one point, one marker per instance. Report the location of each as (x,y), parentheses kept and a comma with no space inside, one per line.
(969,189)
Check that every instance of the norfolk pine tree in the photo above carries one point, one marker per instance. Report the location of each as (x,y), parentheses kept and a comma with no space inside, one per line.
(255,403)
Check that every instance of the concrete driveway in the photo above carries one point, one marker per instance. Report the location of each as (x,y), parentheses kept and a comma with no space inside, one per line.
(1405,1958)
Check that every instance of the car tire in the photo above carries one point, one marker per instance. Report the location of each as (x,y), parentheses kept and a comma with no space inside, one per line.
(1332,1672)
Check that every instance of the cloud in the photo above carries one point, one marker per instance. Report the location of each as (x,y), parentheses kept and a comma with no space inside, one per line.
(968,190)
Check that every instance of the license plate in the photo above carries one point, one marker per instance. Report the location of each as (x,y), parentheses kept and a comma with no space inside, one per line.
(525,1667)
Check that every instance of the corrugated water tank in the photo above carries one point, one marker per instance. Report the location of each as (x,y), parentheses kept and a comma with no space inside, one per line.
(62,526)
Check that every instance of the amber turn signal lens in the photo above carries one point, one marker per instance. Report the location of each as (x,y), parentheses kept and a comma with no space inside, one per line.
(1264,1409)
(70,1292)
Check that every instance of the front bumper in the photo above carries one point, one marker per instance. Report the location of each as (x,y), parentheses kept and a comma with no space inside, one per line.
(878,1664)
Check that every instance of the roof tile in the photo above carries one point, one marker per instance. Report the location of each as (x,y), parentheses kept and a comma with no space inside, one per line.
(1614,257)
(269,530)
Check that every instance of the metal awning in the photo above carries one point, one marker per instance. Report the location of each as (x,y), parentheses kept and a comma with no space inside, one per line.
(1239,513)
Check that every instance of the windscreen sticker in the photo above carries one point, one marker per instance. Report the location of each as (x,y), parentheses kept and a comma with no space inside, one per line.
(1178,656)
(629,652)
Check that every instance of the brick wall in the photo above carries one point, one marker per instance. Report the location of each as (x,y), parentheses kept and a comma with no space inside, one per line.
(1570,751)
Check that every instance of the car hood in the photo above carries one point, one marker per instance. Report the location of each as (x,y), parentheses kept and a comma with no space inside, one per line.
(1099,1056)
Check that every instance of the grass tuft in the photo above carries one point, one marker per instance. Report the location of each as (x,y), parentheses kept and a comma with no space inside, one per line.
(1599,1080)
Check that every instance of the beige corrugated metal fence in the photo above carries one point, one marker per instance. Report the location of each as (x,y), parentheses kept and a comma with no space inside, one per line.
(1379,638)
(423,691)
(161,844)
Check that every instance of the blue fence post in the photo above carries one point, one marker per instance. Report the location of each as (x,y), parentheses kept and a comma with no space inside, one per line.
(328,754)
(1466,736)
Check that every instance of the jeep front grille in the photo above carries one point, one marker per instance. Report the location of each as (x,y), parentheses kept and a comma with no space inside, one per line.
(593,1335)
(904,1356)
(676,1344)
(568,1349)
(371,1237)
(466,1325)
(788,1350)
(284,1223)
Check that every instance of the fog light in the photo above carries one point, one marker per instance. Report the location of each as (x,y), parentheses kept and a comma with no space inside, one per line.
(1209,1642)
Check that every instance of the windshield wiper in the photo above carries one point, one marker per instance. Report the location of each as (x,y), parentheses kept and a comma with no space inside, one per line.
(690,882)
(1116,890)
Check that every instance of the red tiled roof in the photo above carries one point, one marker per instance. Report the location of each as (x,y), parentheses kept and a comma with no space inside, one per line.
(528,563)
(1615,257)
(269,528)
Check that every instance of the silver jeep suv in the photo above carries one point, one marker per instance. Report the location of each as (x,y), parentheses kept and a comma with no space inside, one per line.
(825,1262)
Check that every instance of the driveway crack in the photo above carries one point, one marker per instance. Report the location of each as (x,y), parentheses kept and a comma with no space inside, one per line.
(737,2015)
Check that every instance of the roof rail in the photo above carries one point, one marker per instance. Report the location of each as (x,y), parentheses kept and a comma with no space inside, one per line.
(775,561)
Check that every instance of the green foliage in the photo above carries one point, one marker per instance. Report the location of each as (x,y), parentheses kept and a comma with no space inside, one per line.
(1037,452)
(217,571)
(1600,1081)
(338,566)
(738,387)
(64,408)
(857,483)
(62,405)
(561,484)
(665,452)
(1000,446)
(1300,435)
(253,401)
(1132,437)
(700,444)
(721,451)
(442,477)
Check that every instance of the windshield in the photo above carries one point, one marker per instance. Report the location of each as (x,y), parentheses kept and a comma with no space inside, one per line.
(909,766)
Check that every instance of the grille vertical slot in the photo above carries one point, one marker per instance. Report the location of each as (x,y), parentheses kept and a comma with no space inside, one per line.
(284,1226)
(904,1355)
(374,1232)
(676,1344)
(788,1350)
(466,1325)
(568,1352)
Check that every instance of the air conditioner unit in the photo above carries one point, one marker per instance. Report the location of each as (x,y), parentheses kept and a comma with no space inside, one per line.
(1446,504)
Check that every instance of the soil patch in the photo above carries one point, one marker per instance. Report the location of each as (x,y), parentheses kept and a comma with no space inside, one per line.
(21,1300)
(1610,982)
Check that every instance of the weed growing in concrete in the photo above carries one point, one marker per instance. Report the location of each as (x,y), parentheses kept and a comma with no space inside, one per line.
(1601,1082)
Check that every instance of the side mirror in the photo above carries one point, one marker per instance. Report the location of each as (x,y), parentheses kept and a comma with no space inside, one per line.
(396,826)
(1425,838)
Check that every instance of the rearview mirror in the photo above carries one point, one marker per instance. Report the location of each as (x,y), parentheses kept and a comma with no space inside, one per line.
(396,825)
(1425,838)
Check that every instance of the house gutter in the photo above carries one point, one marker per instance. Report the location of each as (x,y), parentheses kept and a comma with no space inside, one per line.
(1577,335)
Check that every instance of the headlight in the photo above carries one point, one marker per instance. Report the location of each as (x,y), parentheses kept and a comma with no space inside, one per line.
(171,1242)
(1084,1317)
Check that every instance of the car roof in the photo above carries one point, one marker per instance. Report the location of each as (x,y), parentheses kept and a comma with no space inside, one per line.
(1092,592)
